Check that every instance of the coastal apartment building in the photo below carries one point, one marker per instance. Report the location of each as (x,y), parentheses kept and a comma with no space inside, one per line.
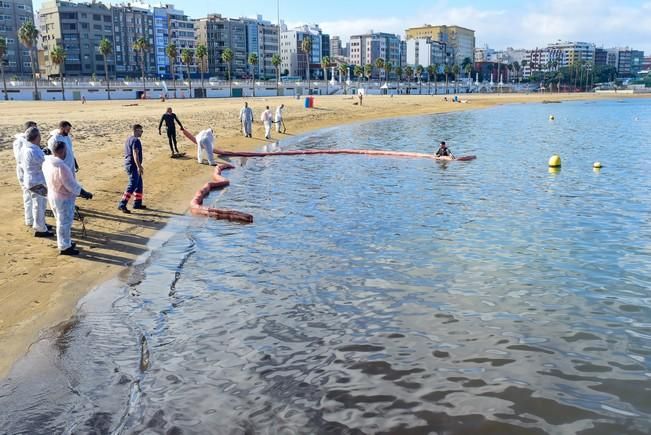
(129,24)
(626,61)
(461,39)
(336,49)
(293,59)
(218,33)
(426,52)
(262,38)
(367,48)
(13,14)
(172,26)
(78,28)
(564,54)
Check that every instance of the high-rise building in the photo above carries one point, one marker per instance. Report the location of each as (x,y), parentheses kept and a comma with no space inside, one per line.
(262,39)
(218,33)
(367,48)
(172,26)
(78,28)
(461,40)
(600,57)
(13,14)
(565,54)
(628,62)
(129,24)
(293,59)
(425,52)
(335,47)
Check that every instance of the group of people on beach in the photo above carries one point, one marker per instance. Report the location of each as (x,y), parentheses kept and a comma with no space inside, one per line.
(246,120)
(48,173)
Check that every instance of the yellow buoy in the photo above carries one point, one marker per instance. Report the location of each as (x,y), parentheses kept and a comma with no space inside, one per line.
(597,165)
(554,170)
(551,117)
(555,161)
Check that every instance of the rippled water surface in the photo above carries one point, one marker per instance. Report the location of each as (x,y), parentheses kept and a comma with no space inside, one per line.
(380,295)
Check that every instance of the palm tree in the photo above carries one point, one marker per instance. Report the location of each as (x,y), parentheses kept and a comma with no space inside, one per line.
(28,34)
(105,49)
(58,57)
(343,70)
(186,59)
(358,72)
(388,69)
(227,58)
(253,61)
(325,62)
(306,46)
(524,65)
(398,71)
(368,71)
(202,53)
(409,73)
(172,55)
(276,61)
(455,71)
(419,74)
(379,64)
(3,53)
(446,70)
(516,68)
(431,71)
(141,46)
(468,71)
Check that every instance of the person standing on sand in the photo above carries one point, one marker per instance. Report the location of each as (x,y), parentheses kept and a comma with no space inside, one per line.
(279,118)
(63,135)
(205,141)
(62,190)
(246,120)
(133,167)
(267,120)
(169,118)
(31,160)
(27,197)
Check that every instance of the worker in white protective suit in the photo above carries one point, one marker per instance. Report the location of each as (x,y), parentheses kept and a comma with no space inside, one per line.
(31,162)
(62,190)
(246,119)
(279,118)
(62,134)
(267,119)
(205,142)
(19,140)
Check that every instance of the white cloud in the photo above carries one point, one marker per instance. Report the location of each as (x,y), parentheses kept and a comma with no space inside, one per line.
(533,24)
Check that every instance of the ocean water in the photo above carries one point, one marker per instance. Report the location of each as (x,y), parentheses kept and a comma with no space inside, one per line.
(382,295)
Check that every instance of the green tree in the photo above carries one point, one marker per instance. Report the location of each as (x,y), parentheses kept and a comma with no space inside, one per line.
(447,70)
(28,34)
(105,49)
(227,58)
(325,63)
(419,73)
(343,70)
(388,69)
(253,61)
(186,59)
(306,46)
(368,71)
(141,46)
(398,71)
(58,57)
(455,71)
(172,54)
(3,54)
(202,54)
(358,72)
(379,64)
(276,61)
(409,74)
(431,72)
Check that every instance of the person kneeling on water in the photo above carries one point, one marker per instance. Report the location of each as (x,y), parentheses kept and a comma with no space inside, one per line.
(62,190)
(444,151)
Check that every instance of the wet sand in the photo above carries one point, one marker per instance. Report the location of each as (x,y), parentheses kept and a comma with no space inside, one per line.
(39,289)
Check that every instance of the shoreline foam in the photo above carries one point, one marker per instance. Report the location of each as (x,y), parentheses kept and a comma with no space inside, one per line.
(38,289)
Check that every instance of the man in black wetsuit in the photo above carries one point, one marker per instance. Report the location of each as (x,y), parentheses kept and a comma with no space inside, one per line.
(444,151)
(169,117)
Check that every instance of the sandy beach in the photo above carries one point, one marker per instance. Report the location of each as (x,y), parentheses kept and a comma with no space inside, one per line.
(39,289)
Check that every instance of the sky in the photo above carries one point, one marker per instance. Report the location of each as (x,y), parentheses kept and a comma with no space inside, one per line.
(498,24)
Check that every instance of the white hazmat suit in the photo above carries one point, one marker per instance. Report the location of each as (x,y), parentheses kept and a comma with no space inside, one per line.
(56,136)
(31,161)
(62,191)
(205,142)
(267,120)
(246,118)
(279,118)
(27,196)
